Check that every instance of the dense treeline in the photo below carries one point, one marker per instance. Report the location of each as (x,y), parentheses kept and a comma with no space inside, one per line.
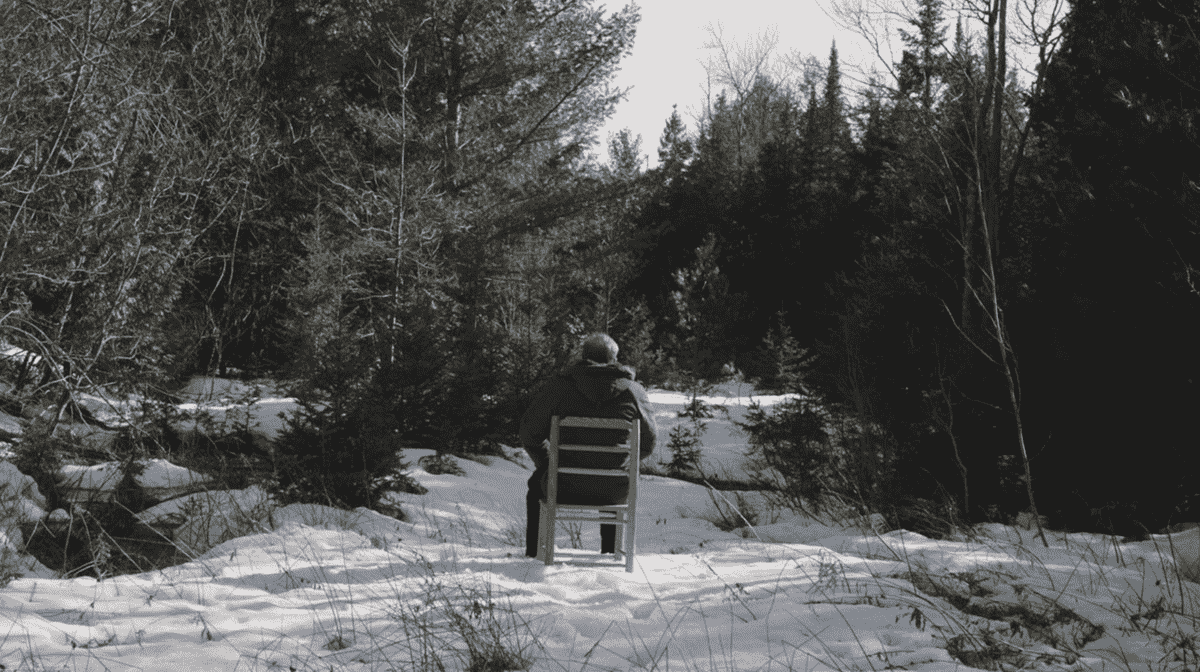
(981,277)
(359,194)
(996,274)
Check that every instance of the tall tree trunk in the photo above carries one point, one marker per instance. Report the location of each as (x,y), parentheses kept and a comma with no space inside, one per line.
(967,226)
(994,176)
(989,142)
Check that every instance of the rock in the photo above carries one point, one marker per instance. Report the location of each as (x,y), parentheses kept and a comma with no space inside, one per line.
(58,517)
(110,412)
(11,539)
(163,480)
(169,521)
(88,437)
(97,483)
(19,483)
(10,427)
(879,524)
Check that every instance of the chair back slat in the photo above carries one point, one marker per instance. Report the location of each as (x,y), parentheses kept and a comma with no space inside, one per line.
(594,423)
(624,448)
(593,472)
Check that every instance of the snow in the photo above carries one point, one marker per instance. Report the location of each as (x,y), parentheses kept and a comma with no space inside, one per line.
(724,444)
(308,587)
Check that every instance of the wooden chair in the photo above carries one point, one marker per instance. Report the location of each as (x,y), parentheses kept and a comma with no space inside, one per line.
(624,516)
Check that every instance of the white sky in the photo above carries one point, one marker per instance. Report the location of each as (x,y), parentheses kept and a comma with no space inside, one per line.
(666,65)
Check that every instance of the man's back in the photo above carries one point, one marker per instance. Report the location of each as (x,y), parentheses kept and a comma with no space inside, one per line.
(589,390)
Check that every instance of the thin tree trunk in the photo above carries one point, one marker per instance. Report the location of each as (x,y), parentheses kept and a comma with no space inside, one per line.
(996,131)
(1010,376)
(967,219)
(947,424)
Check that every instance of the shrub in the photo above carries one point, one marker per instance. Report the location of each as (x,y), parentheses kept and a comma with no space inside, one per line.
(779,365)
(233,459)
(439,464)
(343,458)
(791,450)
(685,440)
(684,445)
(818,459)
(39,455)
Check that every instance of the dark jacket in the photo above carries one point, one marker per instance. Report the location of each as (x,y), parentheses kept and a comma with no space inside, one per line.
(596,391)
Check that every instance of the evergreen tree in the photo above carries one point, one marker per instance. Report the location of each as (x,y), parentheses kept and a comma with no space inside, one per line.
(923,59)
(674,148)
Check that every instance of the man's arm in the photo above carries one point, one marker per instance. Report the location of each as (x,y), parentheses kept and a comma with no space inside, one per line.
(535,423)
(649,427)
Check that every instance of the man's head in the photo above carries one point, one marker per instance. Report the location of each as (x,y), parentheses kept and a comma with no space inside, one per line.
(600,348)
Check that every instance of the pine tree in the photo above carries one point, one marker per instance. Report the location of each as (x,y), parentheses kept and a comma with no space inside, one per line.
(923,60)
(674,148)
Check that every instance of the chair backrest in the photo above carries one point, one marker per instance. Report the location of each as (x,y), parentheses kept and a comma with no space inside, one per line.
(631,448)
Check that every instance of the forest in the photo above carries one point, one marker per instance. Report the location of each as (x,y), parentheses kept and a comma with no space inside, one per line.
(982,286)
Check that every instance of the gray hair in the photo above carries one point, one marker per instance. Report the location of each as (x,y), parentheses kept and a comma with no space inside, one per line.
(600,348)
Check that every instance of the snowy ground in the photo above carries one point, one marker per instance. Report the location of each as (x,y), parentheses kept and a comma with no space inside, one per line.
(320,589)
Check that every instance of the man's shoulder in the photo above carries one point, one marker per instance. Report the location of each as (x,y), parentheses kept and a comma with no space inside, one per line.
(634,388)
(557,384)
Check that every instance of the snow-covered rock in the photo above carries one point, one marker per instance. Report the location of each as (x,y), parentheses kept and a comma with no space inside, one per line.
(20,499)
(20,502)
(58,517)
(163,480)
(112,412)
(94,483)
(10,427)
(16,565)
(160,480)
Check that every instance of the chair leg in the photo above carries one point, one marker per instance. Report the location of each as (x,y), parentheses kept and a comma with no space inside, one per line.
(548,523)
(618,547)
(631,541)
(542,533)
(546,535)
(541,539)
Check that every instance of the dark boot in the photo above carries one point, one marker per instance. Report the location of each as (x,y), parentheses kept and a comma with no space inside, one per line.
(533,512)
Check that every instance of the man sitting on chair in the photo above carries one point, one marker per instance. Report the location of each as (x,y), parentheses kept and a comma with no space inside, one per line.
(595,387)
